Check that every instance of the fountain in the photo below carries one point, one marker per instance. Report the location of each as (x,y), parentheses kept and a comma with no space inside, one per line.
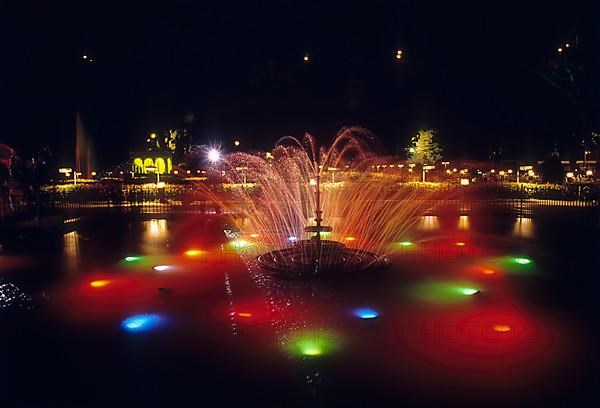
(83,149)
(288,194)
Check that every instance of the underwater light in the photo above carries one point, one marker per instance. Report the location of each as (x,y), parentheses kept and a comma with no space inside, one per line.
(132,258)
(522,261)
(161,268)
(366,313)
(193,252)
(502,328)
(470,291)
(99,283)
(141,323)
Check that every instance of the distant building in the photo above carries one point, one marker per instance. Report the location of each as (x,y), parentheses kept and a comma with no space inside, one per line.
(160,162)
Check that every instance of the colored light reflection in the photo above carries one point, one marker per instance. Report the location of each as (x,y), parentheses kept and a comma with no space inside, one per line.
(460,244)
(254,235)
(161,268)
(132,258)
(366,313)
(244,314)
(350,238)
(193,252)
(522,261)
(442,292)
(488,271)
(99,283)
(406,243)
(141,323)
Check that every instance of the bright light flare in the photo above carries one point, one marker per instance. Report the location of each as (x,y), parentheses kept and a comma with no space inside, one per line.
(132,258)
(193,252)
(161,268)
(522,261)
(460,244)
(214,155)
(350,238)
(469,291)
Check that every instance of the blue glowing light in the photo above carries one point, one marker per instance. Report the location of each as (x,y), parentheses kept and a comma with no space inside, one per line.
(366,313)
(293,239)
(141,323)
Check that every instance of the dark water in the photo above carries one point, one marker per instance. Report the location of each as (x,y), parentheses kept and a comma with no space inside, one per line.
(225,333)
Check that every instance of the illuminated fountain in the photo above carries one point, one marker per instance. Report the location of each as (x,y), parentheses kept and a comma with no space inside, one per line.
(321,211)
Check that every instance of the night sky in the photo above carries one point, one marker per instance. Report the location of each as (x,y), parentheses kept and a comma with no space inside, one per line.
(470,70)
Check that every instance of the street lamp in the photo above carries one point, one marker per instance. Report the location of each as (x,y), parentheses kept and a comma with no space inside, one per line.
(425,168)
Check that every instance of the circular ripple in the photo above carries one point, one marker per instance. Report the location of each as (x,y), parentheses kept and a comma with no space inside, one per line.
(333,258)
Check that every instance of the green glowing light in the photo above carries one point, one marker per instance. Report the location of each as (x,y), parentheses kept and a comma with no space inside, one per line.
(406,243)
(522,261)
(469,291)
(132,258)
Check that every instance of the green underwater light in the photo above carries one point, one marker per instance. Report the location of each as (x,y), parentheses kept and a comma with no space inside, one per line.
(443,292)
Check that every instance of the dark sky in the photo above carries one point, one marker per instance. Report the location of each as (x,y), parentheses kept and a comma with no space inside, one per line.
(470,71)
